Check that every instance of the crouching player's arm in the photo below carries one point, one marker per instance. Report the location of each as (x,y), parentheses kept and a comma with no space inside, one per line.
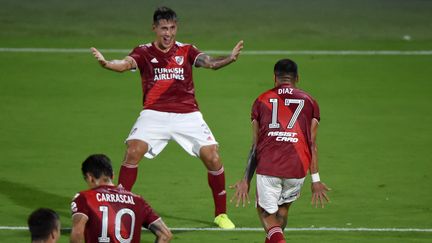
(78,226)
(242,186)
(161,231)
(319,189)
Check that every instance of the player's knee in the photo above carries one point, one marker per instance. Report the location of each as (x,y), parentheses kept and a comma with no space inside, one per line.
(213,163)
(134,153)
(210,156)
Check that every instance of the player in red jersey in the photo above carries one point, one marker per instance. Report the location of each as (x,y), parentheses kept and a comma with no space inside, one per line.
(108,213)
(170,111)
(285,124)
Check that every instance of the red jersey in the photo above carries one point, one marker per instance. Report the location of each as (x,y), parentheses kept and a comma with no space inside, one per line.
(166,78)
(284,115)
(114,214)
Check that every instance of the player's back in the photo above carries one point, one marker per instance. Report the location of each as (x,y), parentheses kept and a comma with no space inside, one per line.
(114,214)
(284,115)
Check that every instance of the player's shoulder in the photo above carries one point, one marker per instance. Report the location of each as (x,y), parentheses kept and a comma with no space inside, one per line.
(142,47)
(185,45)
(181,44)
(84,193)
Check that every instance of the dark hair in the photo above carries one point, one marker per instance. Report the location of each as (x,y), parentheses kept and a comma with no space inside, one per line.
(285,67)
(164,13)
(98,165)
(42,222)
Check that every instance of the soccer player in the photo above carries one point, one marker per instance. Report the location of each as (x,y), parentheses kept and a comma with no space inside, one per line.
(284,124)
(170,111)
(108,213)
(44,226)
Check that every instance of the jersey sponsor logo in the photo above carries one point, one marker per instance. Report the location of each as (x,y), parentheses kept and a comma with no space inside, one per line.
(154,60)
(168,74)
(116,198)
(179,59)
(284,136)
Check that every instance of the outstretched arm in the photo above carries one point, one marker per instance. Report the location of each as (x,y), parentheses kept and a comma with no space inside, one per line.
(163,234)
(127,63)
(215,63)
(319,189)
(242,186)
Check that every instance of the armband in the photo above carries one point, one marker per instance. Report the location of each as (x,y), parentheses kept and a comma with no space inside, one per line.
(315,177)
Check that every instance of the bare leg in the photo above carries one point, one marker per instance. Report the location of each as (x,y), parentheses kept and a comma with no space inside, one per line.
(209,155)
(282,214)
(272,224)
(129,169)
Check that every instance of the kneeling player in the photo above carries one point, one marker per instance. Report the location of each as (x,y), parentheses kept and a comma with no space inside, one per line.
(285,123)
(108,213)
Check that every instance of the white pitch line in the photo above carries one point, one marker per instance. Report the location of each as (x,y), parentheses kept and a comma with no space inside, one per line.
(245,52)
(260,229)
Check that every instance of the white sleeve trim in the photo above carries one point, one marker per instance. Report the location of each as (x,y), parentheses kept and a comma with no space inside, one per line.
(197,58)
(134,69)
(79,213)
(154,222)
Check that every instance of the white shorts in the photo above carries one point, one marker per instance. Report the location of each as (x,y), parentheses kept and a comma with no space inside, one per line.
(274,191)
(156,128)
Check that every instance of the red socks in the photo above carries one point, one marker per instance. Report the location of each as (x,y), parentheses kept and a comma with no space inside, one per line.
(127,176)
(275,235)
(216,181)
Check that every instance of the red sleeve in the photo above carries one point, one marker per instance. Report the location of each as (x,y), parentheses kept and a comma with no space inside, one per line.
(136,55)
(316,111)
(255,110)
(79,204)
(149,215)
(193,54)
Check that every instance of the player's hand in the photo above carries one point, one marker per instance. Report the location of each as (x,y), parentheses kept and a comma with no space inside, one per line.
(319,194)
(99,56)
(241,192)
(237,50)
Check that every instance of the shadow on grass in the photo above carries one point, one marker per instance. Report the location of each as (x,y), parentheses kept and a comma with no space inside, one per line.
(32,198)
(195,220)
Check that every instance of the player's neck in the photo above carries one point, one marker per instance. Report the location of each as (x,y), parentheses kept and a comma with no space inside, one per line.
(161,48)
(290,84)
(102,182)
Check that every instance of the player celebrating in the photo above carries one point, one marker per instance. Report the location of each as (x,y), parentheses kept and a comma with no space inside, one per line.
(284,123)
(44,226)
(108,213)
(170,111)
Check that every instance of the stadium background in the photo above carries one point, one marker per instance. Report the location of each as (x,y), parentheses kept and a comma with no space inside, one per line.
(374,139)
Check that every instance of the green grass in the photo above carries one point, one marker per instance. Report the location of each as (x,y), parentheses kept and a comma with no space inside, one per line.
(374,137)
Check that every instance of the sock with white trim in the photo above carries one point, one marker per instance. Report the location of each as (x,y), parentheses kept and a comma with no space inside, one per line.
(275,235)
(127,176)
(216,181)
